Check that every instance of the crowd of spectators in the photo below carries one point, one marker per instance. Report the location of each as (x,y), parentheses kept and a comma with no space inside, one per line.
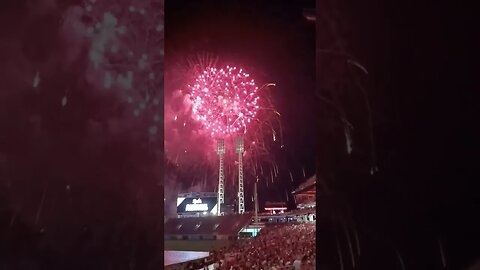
(277,247)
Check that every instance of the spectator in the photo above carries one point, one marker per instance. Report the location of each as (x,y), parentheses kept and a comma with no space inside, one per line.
(289,246)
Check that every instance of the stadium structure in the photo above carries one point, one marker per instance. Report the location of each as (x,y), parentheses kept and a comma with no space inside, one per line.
(198,223)
(203,216)
(305,198)
(207,228)
(198,219)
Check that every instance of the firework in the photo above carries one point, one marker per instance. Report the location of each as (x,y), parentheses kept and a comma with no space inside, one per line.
(126,52)
(225,101)
(191,146)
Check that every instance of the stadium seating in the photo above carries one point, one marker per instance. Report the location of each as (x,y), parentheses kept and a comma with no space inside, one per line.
(212,225)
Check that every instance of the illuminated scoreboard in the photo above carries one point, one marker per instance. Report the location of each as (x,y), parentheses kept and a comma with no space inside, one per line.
(197,204)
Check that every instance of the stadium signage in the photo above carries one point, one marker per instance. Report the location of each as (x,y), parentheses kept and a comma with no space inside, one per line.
(196,207)
(189,204)
(197,201)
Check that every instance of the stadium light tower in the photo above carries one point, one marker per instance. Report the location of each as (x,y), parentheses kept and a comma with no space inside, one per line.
(256,201)
(239,150)
(221,176)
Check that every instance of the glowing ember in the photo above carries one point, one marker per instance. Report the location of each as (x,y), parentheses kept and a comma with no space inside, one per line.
(225,101)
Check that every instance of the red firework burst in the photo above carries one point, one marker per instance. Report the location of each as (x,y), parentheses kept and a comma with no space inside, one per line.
(225,101)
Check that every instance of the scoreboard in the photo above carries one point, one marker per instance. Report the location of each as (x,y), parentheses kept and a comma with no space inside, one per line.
(197,204)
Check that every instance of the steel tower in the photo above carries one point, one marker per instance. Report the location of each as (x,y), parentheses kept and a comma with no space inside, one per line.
(239,150)
(221,176)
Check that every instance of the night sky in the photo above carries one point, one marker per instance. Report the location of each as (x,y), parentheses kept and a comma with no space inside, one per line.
(274,43)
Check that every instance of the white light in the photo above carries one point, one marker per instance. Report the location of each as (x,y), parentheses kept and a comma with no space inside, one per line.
(196,207)
(180,200)
(214,210)
(64,101)
(36,80)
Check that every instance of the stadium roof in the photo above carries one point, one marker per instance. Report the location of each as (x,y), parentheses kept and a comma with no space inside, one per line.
(275,204)
(307,186)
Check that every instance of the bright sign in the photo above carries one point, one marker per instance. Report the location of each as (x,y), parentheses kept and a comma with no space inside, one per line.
(197,200)
(196,207)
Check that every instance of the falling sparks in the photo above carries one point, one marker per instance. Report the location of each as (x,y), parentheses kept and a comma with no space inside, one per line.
(64,101)
(225,101)
(348,140)
(442,253)
(36,80)
(358,65)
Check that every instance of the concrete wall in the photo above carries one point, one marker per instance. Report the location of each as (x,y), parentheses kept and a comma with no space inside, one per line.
(198,245)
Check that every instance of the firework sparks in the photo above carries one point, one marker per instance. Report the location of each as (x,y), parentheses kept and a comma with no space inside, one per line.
(225,101)
(126,52)
(251,114)
(64,101)
(36,80)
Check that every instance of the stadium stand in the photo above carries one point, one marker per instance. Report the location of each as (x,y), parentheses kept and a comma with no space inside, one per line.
(211,227)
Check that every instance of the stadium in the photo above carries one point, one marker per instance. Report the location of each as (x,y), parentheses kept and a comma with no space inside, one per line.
(199,238)
(235,120)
